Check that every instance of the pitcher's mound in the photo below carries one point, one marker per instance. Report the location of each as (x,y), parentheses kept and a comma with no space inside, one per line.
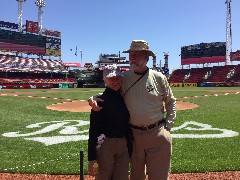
(82,106)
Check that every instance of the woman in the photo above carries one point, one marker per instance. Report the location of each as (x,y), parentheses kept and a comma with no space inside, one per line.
(107,145)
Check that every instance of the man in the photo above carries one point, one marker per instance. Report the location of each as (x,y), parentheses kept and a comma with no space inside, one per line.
(145,93)
(107,145)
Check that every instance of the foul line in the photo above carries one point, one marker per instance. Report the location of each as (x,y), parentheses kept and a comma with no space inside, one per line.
(40,163)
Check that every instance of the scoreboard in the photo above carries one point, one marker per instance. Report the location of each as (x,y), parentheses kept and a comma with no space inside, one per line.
(202,53)
(27,43)
(204,50)
(47,44)
(53,46)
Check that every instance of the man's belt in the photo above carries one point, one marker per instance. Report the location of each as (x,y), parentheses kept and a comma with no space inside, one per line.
(148,126)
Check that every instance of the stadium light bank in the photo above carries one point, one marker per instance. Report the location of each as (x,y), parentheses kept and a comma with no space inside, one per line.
(40,4)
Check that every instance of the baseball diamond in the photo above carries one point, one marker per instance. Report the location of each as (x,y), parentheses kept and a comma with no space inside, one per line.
(74,103)
(49,67)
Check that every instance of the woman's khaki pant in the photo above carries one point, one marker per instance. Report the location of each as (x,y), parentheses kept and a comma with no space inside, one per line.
(113,160)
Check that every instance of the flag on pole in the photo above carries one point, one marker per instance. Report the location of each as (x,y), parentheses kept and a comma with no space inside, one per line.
(76,51)
(81,55)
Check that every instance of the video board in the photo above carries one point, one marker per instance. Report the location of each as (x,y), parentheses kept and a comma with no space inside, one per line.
(22,42)
(204,50)
(49,43)
(210,52)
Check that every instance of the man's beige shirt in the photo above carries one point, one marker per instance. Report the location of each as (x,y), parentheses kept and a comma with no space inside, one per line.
(145,100)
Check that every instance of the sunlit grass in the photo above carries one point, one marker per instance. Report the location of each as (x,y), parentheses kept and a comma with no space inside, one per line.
(189,155)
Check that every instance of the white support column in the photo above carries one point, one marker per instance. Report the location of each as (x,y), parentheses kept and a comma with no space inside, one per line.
(20,14)
(40,4)
(228,31)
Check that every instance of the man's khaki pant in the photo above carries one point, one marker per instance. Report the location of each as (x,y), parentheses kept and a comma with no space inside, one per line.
(152,148)
(113,160)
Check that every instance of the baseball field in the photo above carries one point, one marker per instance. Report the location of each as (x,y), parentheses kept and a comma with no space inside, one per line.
(42,131)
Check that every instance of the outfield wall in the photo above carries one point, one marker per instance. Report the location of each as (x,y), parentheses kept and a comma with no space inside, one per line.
(35,85)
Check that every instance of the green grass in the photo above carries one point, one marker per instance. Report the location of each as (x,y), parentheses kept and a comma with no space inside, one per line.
(83,93)
(189,154)
(215,154)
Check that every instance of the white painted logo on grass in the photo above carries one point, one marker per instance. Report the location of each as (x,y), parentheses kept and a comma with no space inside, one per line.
(202,127)
(69,131)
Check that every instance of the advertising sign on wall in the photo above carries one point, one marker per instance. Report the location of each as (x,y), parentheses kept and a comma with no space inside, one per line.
(72,64)
(48,32)
(31,26)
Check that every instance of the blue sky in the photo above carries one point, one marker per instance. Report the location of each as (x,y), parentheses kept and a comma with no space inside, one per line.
(109,26)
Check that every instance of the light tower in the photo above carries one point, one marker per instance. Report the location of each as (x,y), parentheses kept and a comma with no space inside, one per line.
(154,61)
(166,54)
(40,4)
(165,68)
(20,2)
(228,31)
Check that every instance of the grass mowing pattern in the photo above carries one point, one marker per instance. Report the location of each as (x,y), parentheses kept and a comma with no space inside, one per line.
(189,155)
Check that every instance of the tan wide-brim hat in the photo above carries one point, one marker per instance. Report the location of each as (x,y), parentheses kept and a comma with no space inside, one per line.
(139,45)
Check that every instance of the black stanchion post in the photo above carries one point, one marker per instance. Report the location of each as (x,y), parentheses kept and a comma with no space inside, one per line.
(81,165)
